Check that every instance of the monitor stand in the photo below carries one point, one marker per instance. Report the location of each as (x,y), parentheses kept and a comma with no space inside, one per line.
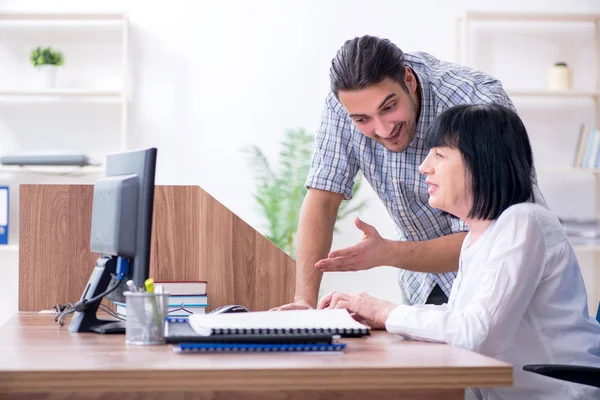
(109,327)
(86,320)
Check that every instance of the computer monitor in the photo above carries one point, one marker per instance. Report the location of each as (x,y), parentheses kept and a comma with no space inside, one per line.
(120,233)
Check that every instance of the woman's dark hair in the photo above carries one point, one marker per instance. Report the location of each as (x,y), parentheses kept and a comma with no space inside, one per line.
(365,61)
(495,147)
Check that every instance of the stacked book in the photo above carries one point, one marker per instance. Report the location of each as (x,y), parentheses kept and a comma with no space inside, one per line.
(185,298)
(587,152)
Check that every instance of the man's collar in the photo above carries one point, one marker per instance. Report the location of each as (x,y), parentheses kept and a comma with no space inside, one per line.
(425,112)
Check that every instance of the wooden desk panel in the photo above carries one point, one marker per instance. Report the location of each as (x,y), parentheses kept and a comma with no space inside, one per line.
(193,237)
(40,360)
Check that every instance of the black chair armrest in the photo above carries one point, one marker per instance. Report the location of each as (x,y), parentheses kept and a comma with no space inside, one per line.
(572,373)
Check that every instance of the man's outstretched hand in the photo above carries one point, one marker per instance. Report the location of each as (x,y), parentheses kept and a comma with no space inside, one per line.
(369,252)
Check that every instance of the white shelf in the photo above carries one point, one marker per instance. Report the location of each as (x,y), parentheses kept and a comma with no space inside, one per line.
(52,170)
(553,93)
(593,171)
(115,95)
(9,247)
(528,17)
(24,16)
(61,21)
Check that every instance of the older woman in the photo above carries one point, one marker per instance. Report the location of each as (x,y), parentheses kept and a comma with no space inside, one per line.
(519,294)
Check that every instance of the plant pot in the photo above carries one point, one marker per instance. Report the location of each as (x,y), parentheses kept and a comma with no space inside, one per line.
(46,76)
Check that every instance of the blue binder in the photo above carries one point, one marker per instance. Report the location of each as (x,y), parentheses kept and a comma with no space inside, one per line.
(4,215)
(254,348)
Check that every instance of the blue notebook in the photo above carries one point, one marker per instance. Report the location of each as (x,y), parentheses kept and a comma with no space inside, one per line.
(254,348)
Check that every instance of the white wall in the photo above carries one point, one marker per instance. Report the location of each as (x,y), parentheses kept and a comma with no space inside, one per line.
(212,77)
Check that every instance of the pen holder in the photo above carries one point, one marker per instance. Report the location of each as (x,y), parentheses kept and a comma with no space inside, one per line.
(145,319)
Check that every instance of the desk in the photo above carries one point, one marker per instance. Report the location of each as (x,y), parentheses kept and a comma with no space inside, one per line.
(40,360)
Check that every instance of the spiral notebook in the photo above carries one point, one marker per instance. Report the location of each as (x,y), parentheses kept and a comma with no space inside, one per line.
(337,322)
(182,332)
(254,348)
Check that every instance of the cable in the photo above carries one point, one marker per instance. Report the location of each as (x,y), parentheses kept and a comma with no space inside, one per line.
(80,305)
(110,312)
(62,311)
(62,315)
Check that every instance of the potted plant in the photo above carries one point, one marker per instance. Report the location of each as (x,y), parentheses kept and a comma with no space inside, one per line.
(46,61)
(279,193)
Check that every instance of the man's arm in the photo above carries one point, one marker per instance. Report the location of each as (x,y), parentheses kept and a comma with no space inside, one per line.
(434,256)
(315,234)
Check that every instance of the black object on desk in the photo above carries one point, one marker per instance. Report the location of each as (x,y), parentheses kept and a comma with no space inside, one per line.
(182,332)
(230,308)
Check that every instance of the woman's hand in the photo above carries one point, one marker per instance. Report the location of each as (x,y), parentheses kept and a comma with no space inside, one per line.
(364,308)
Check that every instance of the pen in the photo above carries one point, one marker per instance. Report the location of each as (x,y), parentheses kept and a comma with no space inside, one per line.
(131,286)
(149,284)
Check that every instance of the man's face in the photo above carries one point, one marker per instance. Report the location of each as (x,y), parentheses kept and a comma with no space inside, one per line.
(385,112)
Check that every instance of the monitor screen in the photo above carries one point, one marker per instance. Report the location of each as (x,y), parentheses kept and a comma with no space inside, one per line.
(125,196)
(143,164)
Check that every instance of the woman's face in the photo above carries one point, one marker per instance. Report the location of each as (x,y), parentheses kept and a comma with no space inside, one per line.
(448,181)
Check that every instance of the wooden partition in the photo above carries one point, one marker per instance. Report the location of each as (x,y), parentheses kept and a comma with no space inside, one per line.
(193,237)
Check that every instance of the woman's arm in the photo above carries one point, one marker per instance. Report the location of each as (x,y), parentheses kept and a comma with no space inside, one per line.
(508,279)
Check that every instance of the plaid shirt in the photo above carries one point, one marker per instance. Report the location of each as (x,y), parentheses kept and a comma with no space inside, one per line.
(341,150)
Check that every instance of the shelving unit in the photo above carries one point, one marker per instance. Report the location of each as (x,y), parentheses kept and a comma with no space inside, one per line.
(32,94)
(553,93)
(463,24)
(9,248)
(593,171)
(51,170)
(87,111)
(585,94)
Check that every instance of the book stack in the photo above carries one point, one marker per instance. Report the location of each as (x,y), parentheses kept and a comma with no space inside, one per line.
(587,152)
(185,298)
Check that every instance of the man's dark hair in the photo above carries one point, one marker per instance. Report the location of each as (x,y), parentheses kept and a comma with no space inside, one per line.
(365,61)
(495,148)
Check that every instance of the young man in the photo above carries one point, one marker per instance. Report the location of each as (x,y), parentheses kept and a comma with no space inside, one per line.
(374,120)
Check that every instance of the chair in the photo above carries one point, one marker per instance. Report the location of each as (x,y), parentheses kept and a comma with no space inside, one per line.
(572,373)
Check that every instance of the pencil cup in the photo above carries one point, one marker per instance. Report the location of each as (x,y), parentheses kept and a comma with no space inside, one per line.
(145,319)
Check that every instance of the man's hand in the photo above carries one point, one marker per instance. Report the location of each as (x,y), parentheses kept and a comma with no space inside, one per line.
(369,252)
(296,305)
(366,309)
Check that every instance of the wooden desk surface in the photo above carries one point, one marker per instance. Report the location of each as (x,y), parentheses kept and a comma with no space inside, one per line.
(36,356)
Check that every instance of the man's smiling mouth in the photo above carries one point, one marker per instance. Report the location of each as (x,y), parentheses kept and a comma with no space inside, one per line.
(396,134)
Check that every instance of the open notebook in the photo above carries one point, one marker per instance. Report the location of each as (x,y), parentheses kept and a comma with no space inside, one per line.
(338,322)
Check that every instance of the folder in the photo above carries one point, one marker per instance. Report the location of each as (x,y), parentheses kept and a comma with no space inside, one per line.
(3,215)
(254,348)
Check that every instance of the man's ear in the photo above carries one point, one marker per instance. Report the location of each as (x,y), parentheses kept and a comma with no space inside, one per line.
(410,80)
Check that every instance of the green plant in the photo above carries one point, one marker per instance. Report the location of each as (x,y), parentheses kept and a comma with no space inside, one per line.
(42,56)
(279,193)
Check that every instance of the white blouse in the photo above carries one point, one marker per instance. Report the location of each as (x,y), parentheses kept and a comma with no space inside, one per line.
(518,297)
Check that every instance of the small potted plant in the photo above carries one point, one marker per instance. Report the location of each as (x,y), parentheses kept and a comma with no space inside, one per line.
(46,61)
